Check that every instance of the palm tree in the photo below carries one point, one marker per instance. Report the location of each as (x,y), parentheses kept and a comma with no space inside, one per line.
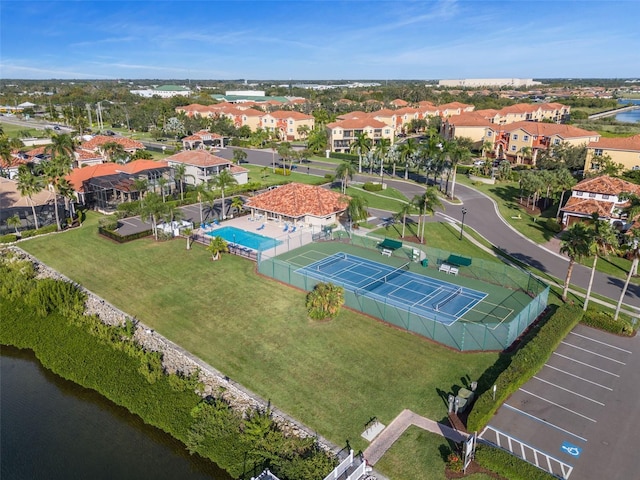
(362,145)
(458,154)
(66,190)
(14,221)
(141,185)
(564,181)
(524,153)
(162,183)
(325,301)
(576,243)
(203,193)
(237,204)
(405,210)
(357,209)
(223,180)
(632,248)
(487,146)
(604,242)
(426,204)
(29,185)
(239,156)
(61,146)
(113,151)
(217,246)
(152,208)
(179,174)
(55,170)
(407,150)
(382,150)
(345,173)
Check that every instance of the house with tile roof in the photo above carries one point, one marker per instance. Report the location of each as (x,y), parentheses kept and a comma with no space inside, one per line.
(12,202)
(299,204)
(287,123)
(96,143)
(105,185)
(599,194)
(625,150)
(342,134)
(202,139)
(202,167)
(471,125)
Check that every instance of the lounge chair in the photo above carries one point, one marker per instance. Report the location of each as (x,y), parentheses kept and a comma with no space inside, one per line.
(261,227)
(292,229)
(216,222)
(286,227)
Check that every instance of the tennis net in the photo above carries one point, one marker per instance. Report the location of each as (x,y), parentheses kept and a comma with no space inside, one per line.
(442,303)
(382,280)
(335,258)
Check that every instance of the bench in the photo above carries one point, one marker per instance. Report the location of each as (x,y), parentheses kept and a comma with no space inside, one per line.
(459,260)
(387,252)
(390,244)
(448,269)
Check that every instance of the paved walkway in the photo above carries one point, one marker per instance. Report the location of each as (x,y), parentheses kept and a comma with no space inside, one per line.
(397,427)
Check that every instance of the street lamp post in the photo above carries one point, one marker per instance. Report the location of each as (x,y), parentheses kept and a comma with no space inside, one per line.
(464,212)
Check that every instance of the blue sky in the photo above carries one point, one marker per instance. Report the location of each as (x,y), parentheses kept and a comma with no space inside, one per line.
(306,40)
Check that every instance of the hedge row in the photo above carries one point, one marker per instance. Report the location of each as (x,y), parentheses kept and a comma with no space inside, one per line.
(525,363)
(8,238)
(123,238)
(344,156)
(604,321)
(372,187)
(507,465)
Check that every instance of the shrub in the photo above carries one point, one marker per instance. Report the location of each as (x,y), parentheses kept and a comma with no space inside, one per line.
(464,169)
(283,171)
(553,226)
(40,231)
(604,321)
(129,209)
(525,363)
(123,238)
(324,301)
(329,177)
(507,465)
(344,156)
(8,238)
(372,187)
(454,462)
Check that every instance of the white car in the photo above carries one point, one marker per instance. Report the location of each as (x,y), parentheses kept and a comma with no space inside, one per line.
(478,163)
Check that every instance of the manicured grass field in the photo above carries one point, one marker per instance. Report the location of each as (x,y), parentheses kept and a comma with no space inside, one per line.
(331,376)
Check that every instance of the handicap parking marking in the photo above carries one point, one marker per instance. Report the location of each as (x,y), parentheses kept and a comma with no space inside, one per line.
(571,449)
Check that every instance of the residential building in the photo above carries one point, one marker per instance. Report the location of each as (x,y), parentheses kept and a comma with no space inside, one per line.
(13,203)
(96,143)
(299,204)
(343,133)
(287,123)
(202,167)
(602,195)
(625,150)
(163,91)
(202,139)
(471,125)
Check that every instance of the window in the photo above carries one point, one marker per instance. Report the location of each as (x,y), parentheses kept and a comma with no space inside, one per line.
(578,194)
(595,166)
(598,152)
(592,195)
(605,197)
(556,141)
(386,132)
(515,136)
(489,134)
(525,138)
(513,148)
(290,122)
(636,167)
(291,130)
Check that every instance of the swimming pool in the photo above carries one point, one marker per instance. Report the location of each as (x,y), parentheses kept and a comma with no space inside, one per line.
(247,239)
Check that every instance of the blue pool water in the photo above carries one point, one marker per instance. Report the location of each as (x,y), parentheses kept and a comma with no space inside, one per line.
(247,239)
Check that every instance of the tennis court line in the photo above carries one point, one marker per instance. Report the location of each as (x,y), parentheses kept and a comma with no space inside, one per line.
(586,364)
(600,342)
(545,422)
(578,377)
(593,353)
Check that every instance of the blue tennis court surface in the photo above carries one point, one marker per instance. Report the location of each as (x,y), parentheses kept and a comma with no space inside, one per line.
(428,297)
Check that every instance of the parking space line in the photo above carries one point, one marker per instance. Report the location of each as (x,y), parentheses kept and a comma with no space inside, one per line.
(533,417)
(593,353)
(579,378)
(586,364)
(558,405)
(567,390)
(600,342)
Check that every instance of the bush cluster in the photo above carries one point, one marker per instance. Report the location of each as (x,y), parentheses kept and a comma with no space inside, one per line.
(105,358)
(553,226)
(507,465)
(123,238)
(525,363)
(41,231)
(344,156)
(282,171)
(372,187)
(8,238)
(604,321)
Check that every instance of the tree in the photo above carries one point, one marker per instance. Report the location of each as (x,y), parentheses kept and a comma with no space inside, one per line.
(141,185)
(61,145)
(142,154)
(325,301)
(361,145)
(317,140)
(152,208)
(54,171)
(29,185)
(382,151)
(458,155)
(217,246)
(426,205)
(345,173)
(405,210)
(14,221)
(162,183)
(237,204)
(603,242)
(113,151)
(487,146)
(179,174)
(239,156)
(357,209)
(632,247)
(524,153)
(223,180)
(564,181)
(407,150)
(576,243)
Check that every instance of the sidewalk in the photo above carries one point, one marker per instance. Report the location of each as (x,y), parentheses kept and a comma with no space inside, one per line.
(397,427)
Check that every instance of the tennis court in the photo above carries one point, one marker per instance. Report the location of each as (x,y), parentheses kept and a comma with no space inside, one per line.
(428,297)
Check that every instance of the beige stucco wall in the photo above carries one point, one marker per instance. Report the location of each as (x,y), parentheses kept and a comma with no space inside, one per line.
(629,159)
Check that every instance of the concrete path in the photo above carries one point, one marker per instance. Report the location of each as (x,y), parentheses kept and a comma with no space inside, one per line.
(397,427)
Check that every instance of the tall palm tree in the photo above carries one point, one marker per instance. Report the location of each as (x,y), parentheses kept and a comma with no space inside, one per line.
(405,210)
(54,171)
(237,204)
(66,190)
(203,193)
(142,186)
(223,180)
(564,181)
(29,185)
(162,183)
(113,151)
(407,150)
(217,246)
(576,243)
(61,145)
(357,209)
(523,153)
(345,173)
(459,154)
(14,221)
(426,205)
(152,208)
(487,146)
(179,174)
(382,151)
(604,242)
(361,145)
(632,248)
(239,156)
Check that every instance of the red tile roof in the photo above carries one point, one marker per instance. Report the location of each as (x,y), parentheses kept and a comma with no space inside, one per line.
(469,119)
(606,185)
(357,123)
(198,158)
(398,102)
(296,200)
(542,129)
(286,114)
(627,144)
(587,206)
(80,175)
(99,140)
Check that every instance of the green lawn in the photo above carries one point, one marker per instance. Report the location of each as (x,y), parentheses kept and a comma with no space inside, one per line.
(419,455)
(331,376)
(11,130)
(389,199)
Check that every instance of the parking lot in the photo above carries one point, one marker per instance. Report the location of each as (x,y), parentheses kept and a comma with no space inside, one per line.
(579,413)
